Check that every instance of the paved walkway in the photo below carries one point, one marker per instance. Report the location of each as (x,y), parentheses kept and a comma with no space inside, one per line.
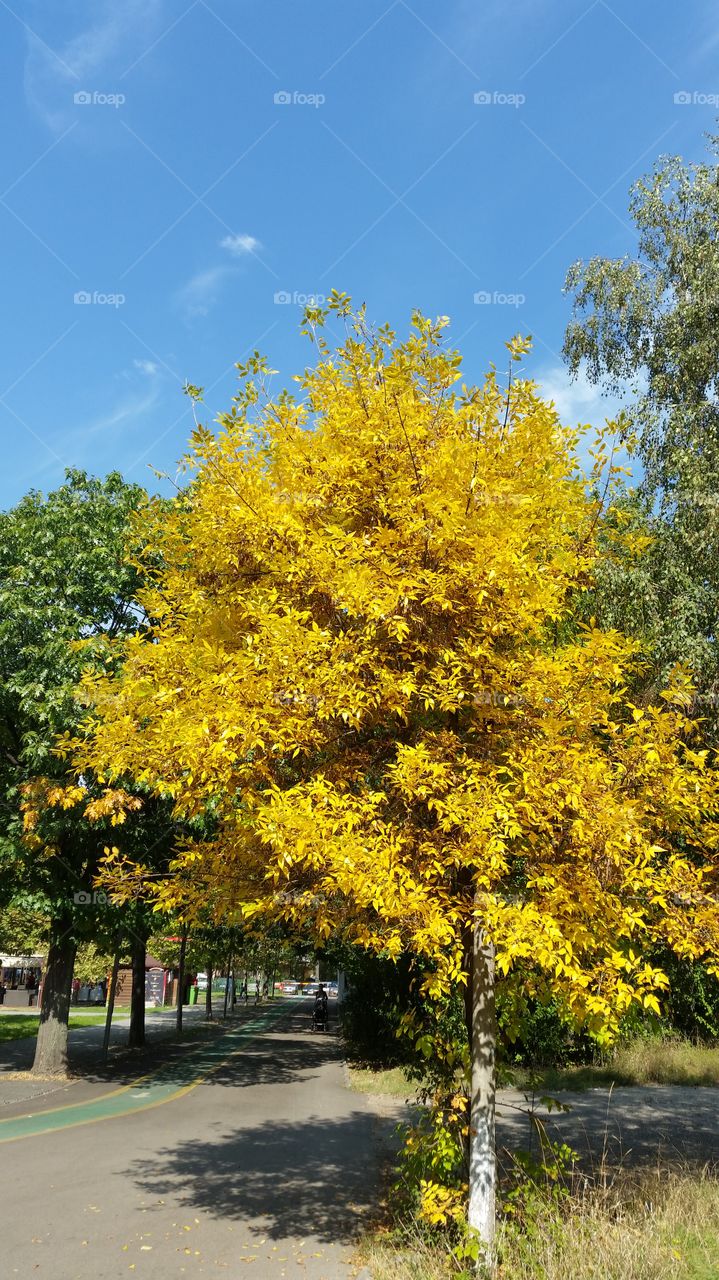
(250,1157)
(628,1125)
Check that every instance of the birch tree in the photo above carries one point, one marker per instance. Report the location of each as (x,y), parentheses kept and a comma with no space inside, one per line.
(645,327)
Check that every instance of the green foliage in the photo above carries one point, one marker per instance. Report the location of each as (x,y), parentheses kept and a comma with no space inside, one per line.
(432,1172)
(646,327)
(543,1035)
(91,963)
(692,1005)
(68,588)
(63,579)
(536,1179)
(22,931)
(258,951)
(378,992)
(65,588)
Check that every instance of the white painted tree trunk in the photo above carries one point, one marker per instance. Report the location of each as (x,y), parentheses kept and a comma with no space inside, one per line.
(482,1151)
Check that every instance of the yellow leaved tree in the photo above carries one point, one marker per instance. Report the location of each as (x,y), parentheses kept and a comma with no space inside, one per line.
(364,666)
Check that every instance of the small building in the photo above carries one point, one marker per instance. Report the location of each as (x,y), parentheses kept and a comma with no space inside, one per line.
(155,983)
(15,972)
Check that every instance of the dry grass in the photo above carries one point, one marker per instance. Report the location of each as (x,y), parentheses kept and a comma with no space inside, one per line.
(656,1225)
(654,1060)
(650,1226)
(392,1082)
(669,1061)
(643,1061)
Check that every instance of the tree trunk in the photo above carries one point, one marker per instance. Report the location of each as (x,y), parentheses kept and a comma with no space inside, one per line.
(181,982)
(483,1040)
(136,1038)
(208,995)
(51,1046)
(227,983)
(110,1005)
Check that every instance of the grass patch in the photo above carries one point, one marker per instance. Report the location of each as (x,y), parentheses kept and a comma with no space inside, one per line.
(17,1027)
(643,1061)
(650,1225)
(91,1020)
(98,1011)
(646,1061)
(20,1026)
(392,1081)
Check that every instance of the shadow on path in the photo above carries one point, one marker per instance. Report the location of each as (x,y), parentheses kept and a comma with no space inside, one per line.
(306,1178)
(624,1126)
(301,1159)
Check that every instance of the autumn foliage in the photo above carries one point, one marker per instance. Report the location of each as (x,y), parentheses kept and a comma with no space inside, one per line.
(364,666)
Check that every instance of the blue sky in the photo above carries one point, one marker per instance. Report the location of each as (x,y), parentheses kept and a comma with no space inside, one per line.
(195,169)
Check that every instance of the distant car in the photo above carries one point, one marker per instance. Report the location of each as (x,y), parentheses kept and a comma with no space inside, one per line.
(311,988)
(289,988)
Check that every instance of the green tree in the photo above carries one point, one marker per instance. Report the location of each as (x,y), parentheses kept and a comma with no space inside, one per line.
(65,589)
(646,327)
(91,962)
(22,931)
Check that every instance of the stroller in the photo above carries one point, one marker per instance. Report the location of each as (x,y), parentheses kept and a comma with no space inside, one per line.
(319,1011)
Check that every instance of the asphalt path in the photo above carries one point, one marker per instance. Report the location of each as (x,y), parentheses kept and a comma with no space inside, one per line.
(656,1125)
(248,1155)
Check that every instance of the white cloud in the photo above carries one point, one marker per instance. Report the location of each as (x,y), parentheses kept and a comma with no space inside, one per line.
(127,409)
(240,244)
(580,402)
(147,366)
(202,291)
(577,400)
(94,58)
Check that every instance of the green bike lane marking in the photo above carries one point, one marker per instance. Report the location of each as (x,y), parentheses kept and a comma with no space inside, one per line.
(166,1084)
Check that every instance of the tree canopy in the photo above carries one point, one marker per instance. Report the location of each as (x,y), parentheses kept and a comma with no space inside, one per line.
(65,589)
(646,327)
(364,662)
